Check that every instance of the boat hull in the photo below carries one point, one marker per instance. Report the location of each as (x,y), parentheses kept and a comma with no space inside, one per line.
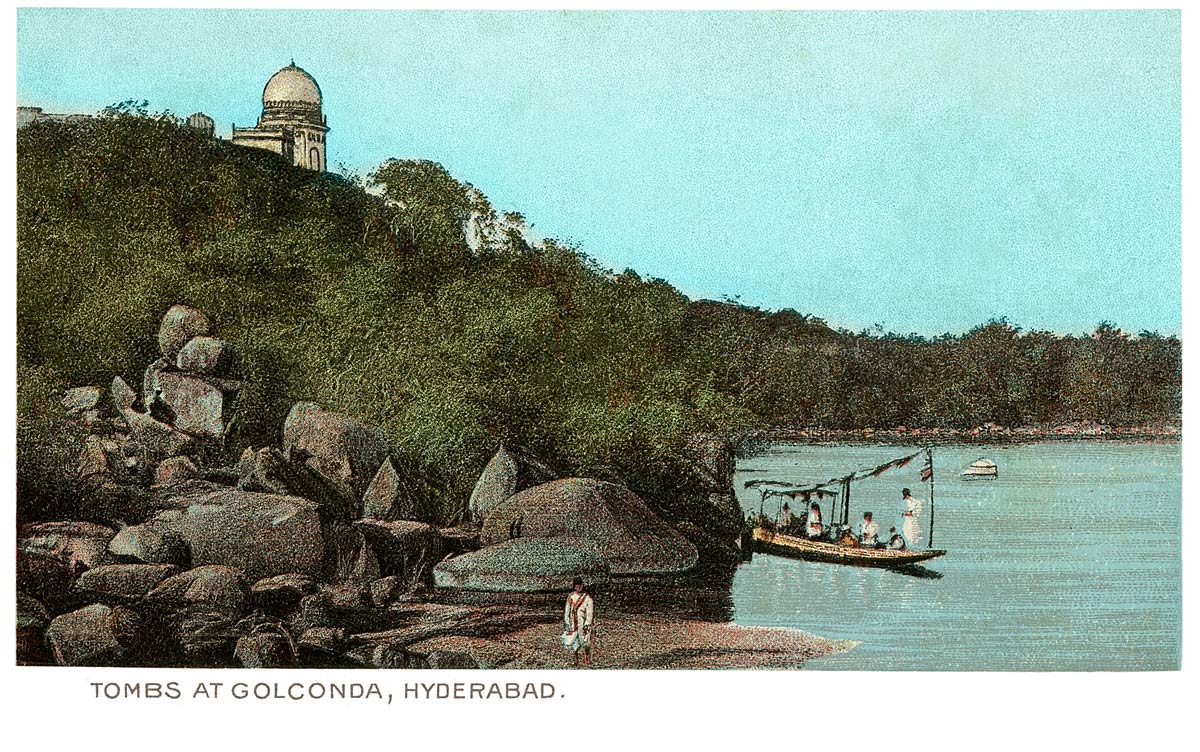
(793,547)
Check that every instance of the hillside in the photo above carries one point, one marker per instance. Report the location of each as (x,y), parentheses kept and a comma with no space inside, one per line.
(417,308)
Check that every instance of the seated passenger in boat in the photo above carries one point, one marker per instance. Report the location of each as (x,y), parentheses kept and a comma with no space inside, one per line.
(895,541)
(814,527)
(786,518)
(868,534)
(757,519)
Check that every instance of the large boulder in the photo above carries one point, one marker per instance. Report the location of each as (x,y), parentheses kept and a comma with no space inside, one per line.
(387,497)
(79,400)
(339,448)
(81,545)
(159,438)
(345,596)
(211,585)
(207,355)
(511,470)
(268,470)
(632,537)
(123,395)
(260,534)
(525,565)
(122,583)
(281,593)
(323,641)
(179,325)
(405,549)
(179,496)
(195,405)
(116,459)
(459,540)
(175,470)
(198,613)
(95,635)
(150,543)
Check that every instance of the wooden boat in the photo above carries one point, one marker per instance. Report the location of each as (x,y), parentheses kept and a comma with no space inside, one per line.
(791,546)
(765,539)
(981,469)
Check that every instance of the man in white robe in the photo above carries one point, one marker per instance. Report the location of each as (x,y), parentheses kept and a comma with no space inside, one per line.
(869,532)
(910,509)
(814,529)
(577,617)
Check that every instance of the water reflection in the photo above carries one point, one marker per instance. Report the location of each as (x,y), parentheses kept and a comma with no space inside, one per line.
(916,570)
(707,598)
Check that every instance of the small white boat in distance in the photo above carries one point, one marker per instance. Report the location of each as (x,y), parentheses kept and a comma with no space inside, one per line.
(980,469)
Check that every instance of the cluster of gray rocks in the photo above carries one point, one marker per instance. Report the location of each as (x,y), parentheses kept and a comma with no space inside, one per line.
(311,553)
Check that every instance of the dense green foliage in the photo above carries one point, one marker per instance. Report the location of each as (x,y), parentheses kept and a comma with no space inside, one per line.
(407,301)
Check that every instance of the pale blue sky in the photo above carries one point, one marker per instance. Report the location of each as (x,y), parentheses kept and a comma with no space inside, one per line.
(923,171)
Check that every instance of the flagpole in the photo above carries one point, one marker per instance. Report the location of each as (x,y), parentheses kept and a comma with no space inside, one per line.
(929,452)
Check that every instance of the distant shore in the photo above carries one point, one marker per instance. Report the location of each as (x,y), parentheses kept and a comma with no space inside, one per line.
(986,434)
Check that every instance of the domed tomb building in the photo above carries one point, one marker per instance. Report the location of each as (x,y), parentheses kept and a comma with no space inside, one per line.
(291,123)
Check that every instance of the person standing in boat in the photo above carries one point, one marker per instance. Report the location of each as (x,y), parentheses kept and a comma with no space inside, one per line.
(868,534)
(910,509)
(814,527)
(578,616)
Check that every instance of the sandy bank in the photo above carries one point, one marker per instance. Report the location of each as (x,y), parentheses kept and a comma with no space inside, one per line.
(642,642)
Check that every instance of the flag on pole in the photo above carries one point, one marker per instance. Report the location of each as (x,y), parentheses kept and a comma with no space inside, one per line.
(927,470)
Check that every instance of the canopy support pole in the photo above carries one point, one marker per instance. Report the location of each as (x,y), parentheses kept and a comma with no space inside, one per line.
(929,454)
(846,504)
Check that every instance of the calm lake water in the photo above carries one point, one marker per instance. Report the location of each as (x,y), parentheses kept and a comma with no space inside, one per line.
(1069,561)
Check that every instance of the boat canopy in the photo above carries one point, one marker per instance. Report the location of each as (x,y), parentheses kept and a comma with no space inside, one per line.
(823,489)
(840,487)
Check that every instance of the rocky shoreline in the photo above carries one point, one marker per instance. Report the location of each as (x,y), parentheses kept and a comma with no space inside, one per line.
(312,553)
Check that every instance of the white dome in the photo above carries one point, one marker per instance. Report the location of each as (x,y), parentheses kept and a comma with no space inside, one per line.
(292,84)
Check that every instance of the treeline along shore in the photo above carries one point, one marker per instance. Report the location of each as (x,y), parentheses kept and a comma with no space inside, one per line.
(405,303)
(985,434)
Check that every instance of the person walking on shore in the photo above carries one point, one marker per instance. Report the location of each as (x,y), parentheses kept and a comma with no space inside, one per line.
(910,508)
(578,615)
